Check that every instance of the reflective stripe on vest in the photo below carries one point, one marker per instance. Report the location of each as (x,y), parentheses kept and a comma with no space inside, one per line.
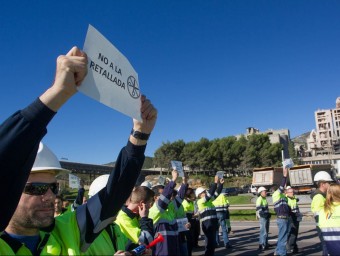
(209,218)
(145,237)
(168,233)
(331,234)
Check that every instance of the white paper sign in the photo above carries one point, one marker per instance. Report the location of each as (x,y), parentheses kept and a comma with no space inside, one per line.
(220,174)
(111,79)
(177,165)
(161,180)
(74,181)
(288,163)
(181,224)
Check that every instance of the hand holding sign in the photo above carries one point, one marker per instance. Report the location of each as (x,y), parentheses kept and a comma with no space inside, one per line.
(220,174)
(177,165)
(149,117)
(111,79)
(174,174)
(161,180)
(71,71)
(288,163)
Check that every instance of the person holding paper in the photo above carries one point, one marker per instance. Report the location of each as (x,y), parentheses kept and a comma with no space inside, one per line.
(221,204)
(207,213)
(32,228)
(163,216)
(282,210)
(22,132)
(182,221)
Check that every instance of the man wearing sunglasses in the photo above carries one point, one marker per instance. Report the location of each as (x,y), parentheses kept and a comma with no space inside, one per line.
(32,229)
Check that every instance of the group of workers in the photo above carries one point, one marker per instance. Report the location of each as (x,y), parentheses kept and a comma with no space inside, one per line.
(325,207)
(118,217)
(153,210)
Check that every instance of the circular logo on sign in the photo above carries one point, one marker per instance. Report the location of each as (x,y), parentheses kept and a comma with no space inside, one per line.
(133,87)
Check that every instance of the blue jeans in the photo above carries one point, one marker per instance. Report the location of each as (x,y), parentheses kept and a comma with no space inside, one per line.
(264,229)
(221,216)
(282,225)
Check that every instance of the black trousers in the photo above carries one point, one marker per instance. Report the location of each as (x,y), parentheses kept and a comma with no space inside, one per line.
(293,234)
(210,239)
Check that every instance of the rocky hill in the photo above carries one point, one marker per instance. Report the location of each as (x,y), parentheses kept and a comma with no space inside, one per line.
(301,139)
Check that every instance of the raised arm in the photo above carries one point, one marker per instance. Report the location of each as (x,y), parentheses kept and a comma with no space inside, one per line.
(21,133)
(181,192)
(100,209)
(210,194)
(219,187)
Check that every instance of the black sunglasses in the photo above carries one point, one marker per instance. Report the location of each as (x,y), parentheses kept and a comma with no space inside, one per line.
(39,188)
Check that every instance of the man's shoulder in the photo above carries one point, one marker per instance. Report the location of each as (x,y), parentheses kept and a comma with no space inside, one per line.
(66,219)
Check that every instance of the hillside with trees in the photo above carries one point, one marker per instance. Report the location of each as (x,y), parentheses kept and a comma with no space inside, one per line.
(234,156)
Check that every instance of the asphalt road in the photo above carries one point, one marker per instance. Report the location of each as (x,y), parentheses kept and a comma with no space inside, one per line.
(245,240)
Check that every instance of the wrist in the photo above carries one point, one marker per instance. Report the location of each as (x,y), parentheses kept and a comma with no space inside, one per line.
(137,142)
(54,98)
(140,135)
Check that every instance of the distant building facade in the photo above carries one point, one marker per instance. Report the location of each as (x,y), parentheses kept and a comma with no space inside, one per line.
(323,142)
(281,136)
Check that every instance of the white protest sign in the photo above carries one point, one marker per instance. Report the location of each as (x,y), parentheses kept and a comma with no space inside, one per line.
(181,224)
(288,163)
(111,79)
(220,174)
(161,180)
(177,165)
(74,181)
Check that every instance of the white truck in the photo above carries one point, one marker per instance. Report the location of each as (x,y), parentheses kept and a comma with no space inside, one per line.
(268,177)
(301,176)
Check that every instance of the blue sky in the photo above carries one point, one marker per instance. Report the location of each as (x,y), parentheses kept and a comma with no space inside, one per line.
(212,68)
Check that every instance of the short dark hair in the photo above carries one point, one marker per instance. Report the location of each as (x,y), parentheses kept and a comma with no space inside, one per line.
(141,193)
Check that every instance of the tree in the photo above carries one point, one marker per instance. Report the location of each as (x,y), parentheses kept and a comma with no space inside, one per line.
(254,156)
(223,154)
(195,154)
(167,152)
(272,155)
(293,153)
(190,155)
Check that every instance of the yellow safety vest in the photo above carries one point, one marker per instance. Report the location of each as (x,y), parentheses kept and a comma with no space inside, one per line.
(129,227)
(221,203)
(188,206)
(329,224)
(109,241)
(317,204)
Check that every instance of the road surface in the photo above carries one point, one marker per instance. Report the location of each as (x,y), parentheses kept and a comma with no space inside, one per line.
(245,239)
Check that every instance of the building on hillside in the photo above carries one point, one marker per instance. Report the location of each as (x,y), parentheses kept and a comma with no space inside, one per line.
(281,136)
(325,138)
(323,142)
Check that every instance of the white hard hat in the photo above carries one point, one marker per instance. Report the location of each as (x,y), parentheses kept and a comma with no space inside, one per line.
(288,187)
(46,161)
(261,189)
(98,184)
(322,175)
(199,191)
(146,184)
